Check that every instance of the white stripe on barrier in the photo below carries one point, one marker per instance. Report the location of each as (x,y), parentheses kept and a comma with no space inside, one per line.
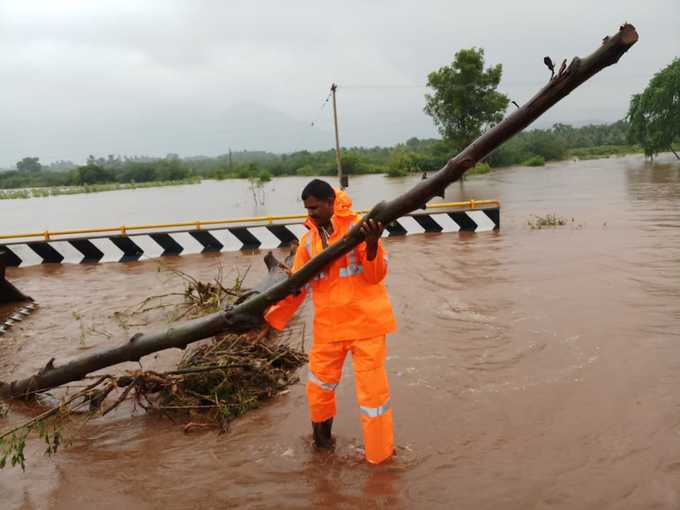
(268,240)
(411,225)
(150,247)
(111,252)
(445,221)
(298,229)
(228,240)
(187,242)
(28,256)
(483,222)
(70,254)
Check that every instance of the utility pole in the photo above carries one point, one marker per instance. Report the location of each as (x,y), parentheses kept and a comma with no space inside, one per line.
(338,164)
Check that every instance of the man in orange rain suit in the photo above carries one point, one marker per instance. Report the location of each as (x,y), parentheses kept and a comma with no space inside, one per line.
(352,313)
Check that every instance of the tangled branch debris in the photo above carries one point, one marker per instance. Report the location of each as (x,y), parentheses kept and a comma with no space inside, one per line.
(214,382)
(549,220)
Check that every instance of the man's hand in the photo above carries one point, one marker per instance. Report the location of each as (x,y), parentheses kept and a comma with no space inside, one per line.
(372,231)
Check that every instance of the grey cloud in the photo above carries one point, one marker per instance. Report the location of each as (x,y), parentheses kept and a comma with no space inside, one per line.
(152,77)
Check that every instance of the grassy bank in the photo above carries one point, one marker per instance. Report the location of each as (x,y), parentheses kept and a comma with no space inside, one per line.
(90,188)
(603,151)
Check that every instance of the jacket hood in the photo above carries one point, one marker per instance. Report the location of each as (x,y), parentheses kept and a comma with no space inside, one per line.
(343,204)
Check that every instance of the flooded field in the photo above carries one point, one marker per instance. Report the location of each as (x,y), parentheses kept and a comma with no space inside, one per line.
(532,368)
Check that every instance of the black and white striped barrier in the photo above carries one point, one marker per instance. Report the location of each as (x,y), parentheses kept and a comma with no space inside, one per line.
(18,316)
(135,246)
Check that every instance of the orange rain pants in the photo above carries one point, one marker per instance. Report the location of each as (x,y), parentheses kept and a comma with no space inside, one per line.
(373,395)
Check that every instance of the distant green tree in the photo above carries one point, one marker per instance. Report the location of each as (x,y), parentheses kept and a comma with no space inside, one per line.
(28,164)
(171,169)
(465,99)
(352,164)
(137,171)
(247,170)
(402,162)
(654,115)
(93,174)
(306,170)
(512,152)
(544,143)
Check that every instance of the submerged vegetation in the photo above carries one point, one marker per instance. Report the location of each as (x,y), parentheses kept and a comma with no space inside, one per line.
(549,220)
(215,382)
(535,161)
(91,188)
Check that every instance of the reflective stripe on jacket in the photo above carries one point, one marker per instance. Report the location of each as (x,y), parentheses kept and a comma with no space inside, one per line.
(350,300)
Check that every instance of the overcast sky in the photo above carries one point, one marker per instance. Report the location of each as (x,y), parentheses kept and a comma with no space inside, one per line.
(197,77)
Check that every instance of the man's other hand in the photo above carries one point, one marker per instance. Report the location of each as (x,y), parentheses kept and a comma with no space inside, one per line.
(372,231)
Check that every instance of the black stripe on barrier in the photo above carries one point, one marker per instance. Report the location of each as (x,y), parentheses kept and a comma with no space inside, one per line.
(209,242)
(396,229)
(11,258)
(495,216)
(169,245)
(90,252)
(131,251)
(427,222)
(246,237)
(50,252)
(463,220)
(46,252)
(283,234)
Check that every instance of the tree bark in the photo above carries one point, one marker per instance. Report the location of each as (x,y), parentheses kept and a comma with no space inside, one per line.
(248,314)
(8,292)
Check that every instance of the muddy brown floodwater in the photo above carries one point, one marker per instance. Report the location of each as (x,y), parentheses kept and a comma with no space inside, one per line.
(532,369)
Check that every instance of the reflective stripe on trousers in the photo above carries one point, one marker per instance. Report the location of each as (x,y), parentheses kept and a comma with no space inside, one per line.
(374,412)
(326,360)
(324,386)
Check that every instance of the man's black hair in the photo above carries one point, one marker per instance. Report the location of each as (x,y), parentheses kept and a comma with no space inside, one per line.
(318,189)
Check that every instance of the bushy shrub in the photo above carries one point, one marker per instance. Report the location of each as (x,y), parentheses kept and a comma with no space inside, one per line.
(306,170)
(534,161)
(512,152)
(396,172)
(479,169)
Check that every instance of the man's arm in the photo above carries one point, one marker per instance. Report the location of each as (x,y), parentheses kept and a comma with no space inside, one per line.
(279,314)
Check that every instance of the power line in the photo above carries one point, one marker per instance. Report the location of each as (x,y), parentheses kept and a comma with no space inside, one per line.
(323,105)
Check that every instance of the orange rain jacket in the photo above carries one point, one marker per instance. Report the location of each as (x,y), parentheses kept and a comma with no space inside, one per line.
(350,300)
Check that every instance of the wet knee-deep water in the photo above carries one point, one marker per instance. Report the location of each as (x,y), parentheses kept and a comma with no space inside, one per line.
(532,368)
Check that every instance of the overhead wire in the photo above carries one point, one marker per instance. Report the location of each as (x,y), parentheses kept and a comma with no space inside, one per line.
(323,105)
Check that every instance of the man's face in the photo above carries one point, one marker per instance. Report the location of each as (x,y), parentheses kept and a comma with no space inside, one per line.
(320,211)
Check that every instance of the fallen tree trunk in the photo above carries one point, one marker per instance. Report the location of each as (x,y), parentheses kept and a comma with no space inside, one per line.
(8,292)
(248,314)
(176,336)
